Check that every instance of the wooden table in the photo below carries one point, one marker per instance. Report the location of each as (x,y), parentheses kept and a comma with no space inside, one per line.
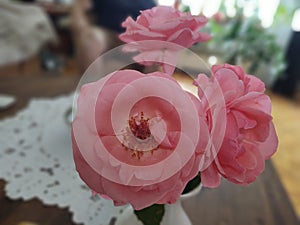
(264,202)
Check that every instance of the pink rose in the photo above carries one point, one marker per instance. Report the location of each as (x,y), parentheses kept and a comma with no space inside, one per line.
(250,137)
(137,138)
(163,24)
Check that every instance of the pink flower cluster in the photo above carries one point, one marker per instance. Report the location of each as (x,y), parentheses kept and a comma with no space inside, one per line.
(140,138)
(165,24)
(168,30)
(250,136)
(136,138)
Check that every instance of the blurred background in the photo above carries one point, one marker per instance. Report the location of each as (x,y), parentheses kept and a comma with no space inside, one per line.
(47,39)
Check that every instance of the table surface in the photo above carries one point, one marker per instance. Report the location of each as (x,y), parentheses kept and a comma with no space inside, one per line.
(264,202)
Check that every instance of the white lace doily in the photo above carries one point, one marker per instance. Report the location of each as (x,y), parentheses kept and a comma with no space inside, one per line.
(36,161)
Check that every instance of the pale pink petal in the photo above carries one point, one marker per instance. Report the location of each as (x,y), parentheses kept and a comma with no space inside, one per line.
(247,160)
(210,177)
(232,128)
(131,24)
(182,37)
(158,128)
(268,148)
(254,84)
(231,86)
(169,69)
(254,100)
(140,35)
(242,120)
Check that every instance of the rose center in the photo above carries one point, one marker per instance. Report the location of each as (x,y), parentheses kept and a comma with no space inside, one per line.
(139,126)
(143,135)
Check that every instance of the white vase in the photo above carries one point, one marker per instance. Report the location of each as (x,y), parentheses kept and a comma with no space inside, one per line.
(174,213)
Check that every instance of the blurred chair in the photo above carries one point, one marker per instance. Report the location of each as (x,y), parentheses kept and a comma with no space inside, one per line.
(24,30)
(288,83)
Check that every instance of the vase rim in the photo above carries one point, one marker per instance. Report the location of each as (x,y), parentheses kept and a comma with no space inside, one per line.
(192,193)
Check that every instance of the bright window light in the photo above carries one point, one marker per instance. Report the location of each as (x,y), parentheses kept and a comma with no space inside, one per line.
(249,8)
(210,8)
(296,21)
(267,11)
(212,60)
(230,8)
(166,2)
(195,6)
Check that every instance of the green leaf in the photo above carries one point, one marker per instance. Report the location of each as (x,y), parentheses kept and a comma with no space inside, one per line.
(192,184)
(151,215)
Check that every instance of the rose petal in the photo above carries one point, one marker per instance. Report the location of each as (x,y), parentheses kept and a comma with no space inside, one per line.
(210,177)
